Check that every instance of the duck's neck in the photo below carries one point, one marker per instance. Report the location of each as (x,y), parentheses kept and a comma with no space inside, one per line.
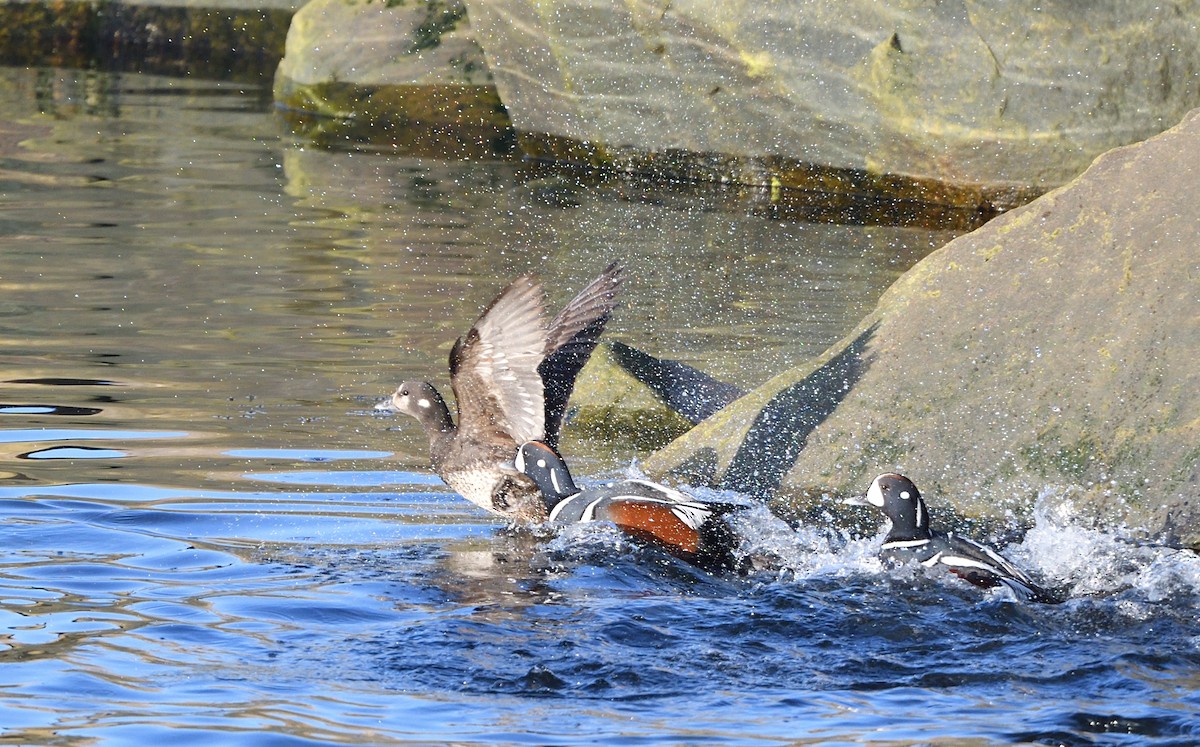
(435,419)
(556,483)
(911,523)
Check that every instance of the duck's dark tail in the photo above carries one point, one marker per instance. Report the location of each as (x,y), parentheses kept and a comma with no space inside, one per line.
(1033,592)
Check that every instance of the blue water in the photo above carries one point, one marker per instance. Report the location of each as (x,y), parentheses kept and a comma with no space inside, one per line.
(373,607)
(208,536)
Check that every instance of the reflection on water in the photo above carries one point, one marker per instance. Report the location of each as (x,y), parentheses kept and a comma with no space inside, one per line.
(207,533)
(171,244)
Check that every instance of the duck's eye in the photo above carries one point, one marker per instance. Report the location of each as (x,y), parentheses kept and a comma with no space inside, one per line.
(403,392)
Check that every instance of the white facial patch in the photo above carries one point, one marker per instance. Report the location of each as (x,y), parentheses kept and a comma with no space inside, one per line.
(423,403)
(875,495)
(905,495)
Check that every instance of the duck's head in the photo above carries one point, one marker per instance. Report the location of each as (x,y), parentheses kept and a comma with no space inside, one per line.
(898,499)
(420,400)
(545,467)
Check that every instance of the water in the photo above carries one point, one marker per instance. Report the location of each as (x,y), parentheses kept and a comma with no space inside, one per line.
(207,535)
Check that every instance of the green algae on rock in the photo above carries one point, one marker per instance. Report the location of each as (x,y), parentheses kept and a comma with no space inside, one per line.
(231,42)
(420,120)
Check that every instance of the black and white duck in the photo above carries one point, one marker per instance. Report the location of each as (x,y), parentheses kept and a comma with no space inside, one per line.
(911,538)
(660,516)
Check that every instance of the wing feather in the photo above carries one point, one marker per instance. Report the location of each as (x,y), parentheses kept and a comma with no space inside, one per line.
(494,367)
(572,336)
(995,559)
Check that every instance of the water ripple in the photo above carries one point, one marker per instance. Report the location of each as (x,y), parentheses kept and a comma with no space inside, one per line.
(208,536)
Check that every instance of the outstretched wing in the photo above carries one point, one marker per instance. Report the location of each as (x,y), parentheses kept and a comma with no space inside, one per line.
(494,367)
(572,337)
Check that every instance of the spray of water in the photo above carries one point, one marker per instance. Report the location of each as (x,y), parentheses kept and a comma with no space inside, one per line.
(1061,548)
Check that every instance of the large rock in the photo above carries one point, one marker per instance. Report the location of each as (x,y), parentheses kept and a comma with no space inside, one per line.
(1002,99)
(383,43)
(225,39)
(1052,351)
(407,76)
(610,405)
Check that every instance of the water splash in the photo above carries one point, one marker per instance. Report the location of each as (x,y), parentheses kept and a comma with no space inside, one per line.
(1061,548)
(1104,563)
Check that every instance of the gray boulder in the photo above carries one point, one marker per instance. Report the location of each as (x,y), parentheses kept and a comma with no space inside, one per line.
(404,76)
(383,43)
(951,101)
(1053,351)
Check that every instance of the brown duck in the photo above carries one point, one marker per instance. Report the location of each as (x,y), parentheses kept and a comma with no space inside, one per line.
(512,375)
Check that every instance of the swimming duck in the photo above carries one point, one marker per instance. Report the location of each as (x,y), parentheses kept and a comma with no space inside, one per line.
(512,375)
(911,538)
(656,514)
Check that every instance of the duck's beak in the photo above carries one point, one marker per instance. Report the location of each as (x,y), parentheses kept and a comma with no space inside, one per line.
(856,500)
(386,406)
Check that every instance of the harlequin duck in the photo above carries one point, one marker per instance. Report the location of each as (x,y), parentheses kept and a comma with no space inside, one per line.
(910,538)
(512,376)
(688,529)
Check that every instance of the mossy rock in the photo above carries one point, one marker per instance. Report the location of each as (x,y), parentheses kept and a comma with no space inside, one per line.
(609,404)
(1049,355)
(236,43)
(406,77)
(437,121)
(953,103)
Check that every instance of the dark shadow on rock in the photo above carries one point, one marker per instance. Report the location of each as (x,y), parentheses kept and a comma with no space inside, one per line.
(688,391)
(781,429)
(698,469)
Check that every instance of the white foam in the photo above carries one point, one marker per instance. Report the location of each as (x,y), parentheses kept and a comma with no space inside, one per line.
(1062,550)
(802,552)
(1093,562)
(594,536)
